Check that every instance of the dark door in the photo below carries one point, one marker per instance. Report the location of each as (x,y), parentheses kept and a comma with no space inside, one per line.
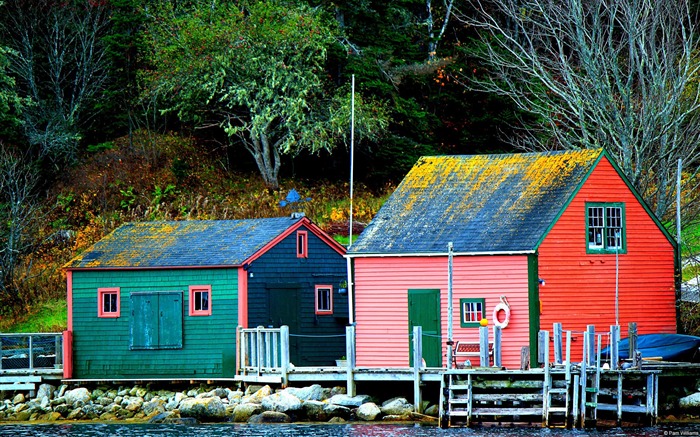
(424,310)
(284,310)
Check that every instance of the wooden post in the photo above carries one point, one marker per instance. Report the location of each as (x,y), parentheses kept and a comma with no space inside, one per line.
(590,333)
(524,358)
(31,352)
(614,346)
(417,365)
(284,354)
(632,336)
(350,354)
(575,407)
(1,338)
(484,346)
(547,379)
(497,346)
(558,334)
(541,346)
(238,344)
(568,349)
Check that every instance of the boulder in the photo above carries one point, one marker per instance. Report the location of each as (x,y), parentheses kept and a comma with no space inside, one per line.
(156,406)
(348,401)
(433,411)
(132,403)
(203,409)
(45,391)
(234,397)
(259,395)
(337,420)
(368,411)
(311,393)
(282,402)
(270,417)
(18,399)
(396,407)
(78,395)
(332,410)
(243,412)
(691,402)
(313,410)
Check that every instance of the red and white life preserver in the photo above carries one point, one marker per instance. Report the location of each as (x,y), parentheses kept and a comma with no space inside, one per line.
(502,306)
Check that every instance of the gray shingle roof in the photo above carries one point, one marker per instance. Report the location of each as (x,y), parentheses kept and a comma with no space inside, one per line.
(482,203)
(196,243)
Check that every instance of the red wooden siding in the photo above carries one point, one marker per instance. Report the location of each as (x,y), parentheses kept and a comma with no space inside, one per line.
(580,287)
(381,302)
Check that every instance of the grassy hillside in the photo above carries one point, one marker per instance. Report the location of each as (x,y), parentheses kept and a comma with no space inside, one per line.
(157,178)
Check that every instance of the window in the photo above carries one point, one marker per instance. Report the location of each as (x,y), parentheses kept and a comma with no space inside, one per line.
(156,320)
(324,299)
(302,244)
(200,300)
(108,302)
(605,224)
(472,311)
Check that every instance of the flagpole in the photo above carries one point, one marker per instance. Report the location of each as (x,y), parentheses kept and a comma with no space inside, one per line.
(351,286)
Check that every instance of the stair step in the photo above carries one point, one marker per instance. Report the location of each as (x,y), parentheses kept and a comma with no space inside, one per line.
(557,391)
(592,404)
(591,390)
(557,410)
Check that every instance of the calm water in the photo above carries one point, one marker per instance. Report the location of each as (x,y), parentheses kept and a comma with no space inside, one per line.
(235,430)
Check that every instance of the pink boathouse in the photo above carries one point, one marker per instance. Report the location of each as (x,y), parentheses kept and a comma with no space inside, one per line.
(543,235)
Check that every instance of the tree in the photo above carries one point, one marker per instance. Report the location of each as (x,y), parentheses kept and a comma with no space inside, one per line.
(19,213)
(619,74)
(59,64)
(256,70)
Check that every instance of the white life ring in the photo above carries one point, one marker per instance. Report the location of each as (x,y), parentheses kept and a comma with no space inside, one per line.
(502,306)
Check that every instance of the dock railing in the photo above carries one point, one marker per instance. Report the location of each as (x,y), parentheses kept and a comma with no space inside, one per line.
(26,352)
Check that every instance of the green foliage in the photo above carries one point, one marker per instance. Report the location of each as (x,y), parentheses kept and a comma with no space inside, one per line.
(257,70)
(94,148)
(160,194)
(128,198)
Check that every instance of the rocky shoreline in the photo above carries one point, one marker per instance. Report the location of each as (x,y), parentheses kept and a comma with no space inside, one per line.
(204,404)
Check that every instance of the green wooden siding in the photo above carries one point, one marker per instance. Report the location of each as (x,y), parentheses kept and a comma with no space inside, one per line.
(208,343)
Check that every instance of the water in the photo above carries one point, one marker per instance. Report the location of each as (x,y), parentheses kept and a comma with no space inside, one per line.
(319,430)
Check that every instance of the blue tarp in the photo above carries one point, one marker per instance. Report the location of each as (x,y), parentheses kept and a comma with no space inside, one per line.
(669,347)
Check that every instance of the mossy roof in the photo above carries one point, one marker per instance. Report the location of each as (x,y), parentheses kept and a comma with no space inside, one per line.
(195,243)
(481,203)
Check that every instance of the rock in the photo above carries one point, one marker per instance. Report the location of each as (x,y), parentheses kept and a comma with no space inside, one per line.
(270,417)
(61,390)
(337,420)
(75,414)
(396,407)
(690,402)
(252,388)
(133,403)
(368,411)
(62,409)
(433,411)
(282,402)
(22,416)
(311,393)
(243,412)
(235,397)
(314,411)
(45,391)
(332,410)
(203,409)
(259,395)
(18,399)
(397,418)
(348,401)
(81,395)
(107,416)
(53,416)
(154,406)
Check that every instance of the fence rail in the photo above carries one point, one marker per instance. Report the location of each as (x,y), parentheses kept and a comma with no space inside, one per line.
(264,349)
(31,351)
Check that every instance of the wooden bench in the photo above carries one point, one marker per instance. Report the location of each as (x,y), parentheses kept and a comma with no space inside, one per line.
(471,349)
(15,383)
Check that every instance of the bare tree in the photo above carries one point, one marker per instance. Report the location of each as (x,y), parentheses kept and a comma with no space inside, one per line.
(60,66)
(618,74)
(19,214)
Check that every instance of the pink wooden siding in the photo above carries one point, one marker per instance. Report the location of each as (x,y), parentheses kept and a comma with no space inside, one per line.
(381,302)
(580,287)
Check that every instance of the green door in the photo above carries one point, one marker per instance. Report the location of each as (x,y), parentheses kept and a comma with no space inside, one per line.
(424,310)
(284,310)
(156,320)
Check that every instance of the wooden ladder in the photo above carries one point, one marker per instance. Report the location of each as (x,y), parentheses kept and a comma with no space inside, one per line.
(455,400)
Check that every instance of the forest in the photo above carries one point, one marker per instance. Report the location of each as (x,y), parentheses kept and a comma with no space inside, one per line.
(127,110)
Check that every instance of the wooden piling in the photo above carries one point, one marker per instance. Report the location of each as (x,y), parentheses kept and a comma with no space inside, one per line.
(417,365)
(497,330)
(484,346)
(350,355)
(557,331)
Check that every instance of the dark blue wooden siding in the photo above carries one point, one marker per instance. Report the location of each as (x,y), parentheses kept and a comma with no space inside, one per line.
(279,268)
